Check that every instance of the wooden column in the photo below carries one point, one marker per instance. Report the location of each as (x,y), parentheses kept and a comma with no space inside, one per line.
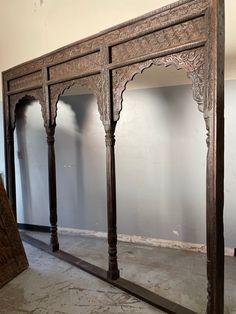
(109,126)
(113,272)
(10,169)
(52,187)
(215,162)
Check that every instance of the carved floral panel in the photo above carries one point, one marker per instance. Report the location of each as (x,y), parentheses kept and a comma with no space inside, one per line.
(26,81)
(32,95)
(192,61)
(93,83)
(175,36)
(159,19)
(77,66)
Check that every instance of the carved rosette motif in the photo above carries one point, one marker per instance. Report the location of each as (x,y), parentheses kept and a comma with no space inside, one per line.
(93,83)
(26,97)
(192,61)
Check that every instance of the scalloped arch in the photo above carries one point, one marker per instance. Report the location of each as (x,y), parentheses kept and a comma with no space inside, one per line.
(191,61)
(24,98)
(93,83)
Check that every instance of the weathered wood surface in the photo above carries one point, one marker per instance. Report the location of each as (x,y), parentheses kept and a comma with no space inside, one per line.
(188,35)
(12,255)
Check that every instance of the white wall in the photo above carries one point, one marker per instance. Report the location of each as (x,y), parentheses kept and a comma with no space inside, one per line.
(29,28)
(161,155)
(161,161)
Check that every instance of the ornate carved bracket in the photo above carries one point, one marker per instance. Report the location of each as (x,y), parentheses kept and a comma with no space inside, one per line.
(25,98)
(189,35)
(192,61)
(93,83)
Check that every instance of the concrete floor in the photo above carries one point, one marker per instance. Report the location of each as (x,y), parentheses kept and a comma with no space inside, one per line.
(52,286)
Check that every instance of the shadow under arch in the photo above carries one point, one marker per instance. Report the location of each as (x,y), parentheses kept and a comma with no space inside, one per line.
(80,159)
(131,148)
(91,83)
(22,135)
(192,62)
(19,100)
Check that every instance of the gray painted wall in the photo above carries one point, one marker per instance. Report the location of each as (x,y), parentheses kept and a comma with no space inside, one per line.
(161,154)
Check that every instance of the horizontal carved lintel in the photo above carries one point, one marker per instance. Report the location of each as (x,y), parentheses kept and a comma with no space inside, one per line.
(77,66)
(168,38)
(25,81)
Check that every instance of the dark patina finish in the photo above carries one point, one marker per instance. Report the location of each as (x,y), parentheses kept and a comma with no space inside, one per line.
(12,255)
(188,35)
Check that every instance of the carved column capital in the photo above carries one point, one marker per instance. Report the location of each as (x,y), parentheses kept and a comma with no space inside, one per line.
(10,138)
(50,134)
(110,133)
(110,138)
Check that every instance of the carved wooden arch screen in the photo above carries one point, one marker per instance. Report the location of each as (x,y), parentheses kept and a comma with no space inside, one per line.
(188,34)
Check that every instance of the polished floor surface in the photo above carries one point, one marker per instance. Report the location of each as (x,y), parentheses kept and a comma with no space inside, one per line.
(52,286)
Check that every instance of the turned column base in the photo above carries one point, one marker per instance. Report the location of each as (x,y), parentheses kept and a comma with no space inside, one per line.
(54,247)
(113,274)
(54,243)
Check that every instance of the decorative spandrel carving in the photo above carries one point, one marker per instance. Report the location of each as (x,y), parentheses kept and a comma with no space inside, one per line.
(174,34)
(26,97)
(93,83)
(192,61)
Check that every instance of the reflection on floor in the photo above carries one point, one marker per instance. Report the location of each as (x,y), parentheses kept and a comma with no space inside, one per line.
(52,286)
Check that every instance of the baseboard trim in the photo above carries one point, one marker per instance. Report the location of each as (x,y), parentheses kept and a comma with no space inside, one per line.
(179,245)
(30,227)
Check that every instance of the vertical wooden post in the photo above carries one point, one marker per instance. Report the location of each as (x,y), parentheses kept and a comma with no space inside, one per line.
(113,272)
(52,187)
(215,161)
(9,127)
(50,126)
(10,168)
(109,125)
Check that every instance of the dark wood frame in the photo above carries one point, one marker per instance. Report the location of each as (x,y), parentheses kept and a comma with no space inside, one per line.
(13,260)
(189,35)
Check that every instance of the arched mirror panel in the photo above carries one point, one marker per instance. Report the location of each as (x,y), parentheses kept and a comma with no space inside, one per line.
(161,174)
(81,173)
(159,136)
(30,162)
